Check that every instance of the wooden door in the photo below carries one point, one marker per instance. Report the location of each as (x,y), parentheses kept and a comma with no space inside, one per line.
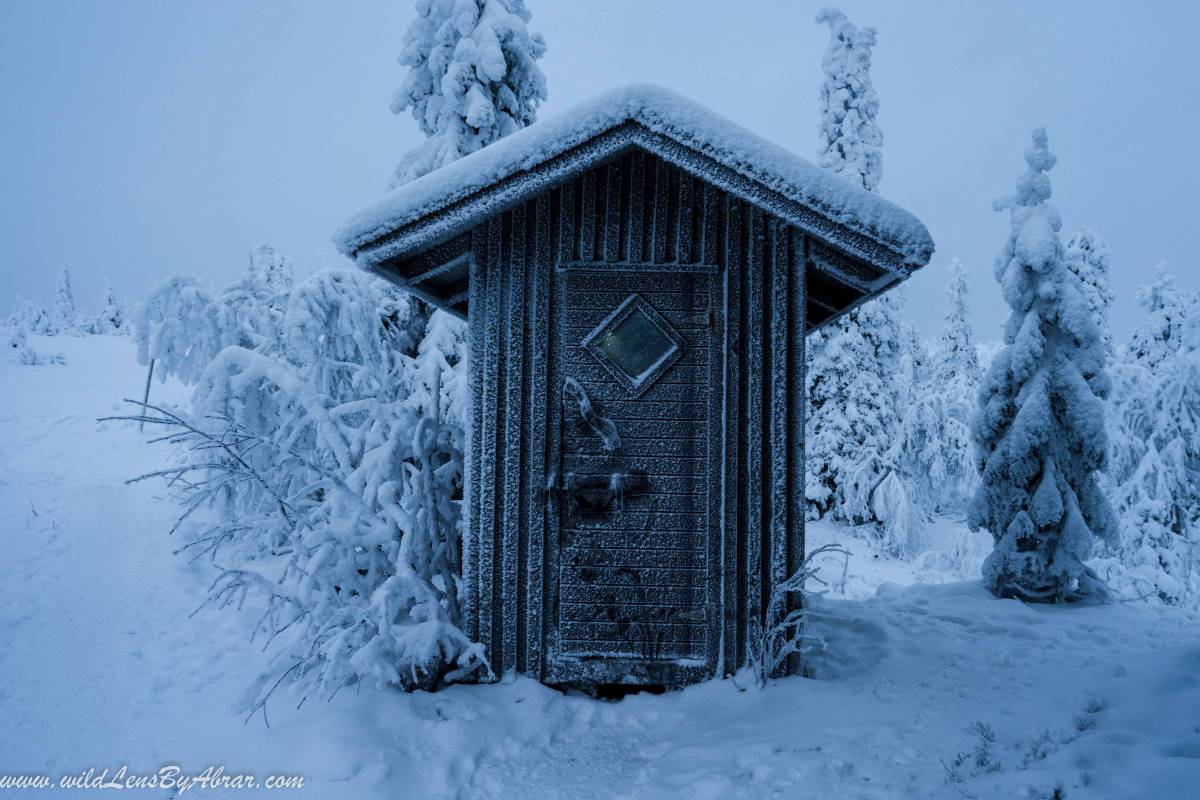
(635,492)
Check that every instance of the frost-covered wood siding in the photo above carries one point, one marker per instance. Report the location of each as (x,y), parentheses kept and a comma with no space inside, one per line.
(640,215)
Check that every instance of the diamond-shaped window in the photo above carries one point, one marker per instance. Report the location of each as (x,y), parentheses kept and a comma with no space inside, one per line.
(635,344)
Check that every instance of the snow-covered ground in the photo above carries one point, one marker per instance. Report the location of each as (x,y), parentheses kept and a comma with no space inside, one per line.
(102,666)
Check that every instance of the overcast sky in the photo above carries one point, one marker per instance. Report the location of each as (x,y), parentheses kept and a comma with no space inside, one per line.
(147,138)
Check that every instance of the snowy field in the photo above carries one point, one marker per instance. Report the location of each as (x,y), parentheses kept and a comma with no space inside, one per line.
(102,666)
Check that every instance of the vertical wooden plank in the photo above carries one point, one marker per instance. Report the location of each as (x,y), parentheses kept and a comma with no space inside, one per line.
(753,372)
(683,223)
(797,409)
(732,605)
(510,495)
(715,478)
(661,227)
(636,192)
(472,533)
(779,394)
(674,176)
(551,401)
(612,211)
(708,225)
(566,223)
(537,280)
(490,600)
(587,218)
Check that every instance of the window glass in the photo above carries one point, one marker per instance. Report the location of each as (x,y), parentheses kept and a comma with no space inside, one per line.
(636,345)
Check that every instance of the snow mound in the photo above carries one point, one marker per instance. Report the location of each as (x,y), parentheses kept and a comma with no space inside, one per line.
(672,116)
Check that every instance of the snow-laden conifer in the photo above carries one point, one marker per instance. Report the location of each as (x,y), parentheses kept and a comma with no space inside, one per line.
(249,311)
(1039,430)
(1087,257)
(854,375)
(111,316)
(852,410)
(274,269)
(932,447)
(175,328)
(66,318)
(472,78)
(1155,453)
(31,316)
(955,358)
(1158,338)
(850,140)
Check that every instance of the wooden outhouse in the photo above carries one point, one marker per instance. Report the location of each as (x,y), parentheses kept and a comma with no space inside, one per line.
(638,276)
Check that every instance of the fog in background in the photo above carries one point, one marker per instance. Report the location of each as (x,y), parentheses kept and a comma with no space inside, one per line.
(142,139)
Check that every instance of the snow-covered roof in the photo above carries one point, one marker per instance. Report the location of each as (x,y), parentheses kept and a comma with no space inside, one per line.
(662,113)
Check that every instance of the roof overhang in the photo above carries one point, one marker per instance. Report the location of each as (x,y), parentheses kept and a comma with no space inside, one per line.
(863,244)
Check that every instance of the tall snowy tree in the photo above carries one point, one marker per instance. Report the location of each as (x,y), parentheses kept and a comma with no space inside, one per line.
(955,359)
(1159,336)
(1155,453)
(933,446)
(851,143)
(1087,258)
(472,78)
(1039,430)
(66,318)
(853,364)
(852,410)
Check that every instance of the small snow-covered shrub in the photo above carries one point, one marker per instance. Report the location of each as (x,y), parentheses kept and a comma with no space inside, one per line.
(901,520)
(324,481)
(20,352)
(783,636)
(32,317)
(175,330)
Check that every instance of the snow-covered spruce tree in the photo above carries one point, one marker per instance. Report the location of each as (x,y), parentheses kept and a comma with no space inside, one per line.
(274,269)
(850,141)
(853,364)
(472,78)
(852,410)
(31,317)
(1155,422)
(912,359)
(1159,336)
(111,316)
(175,329)
(932,448)
(1087,257)
(1136,368)
(955,358)
(249,311)
(66,318)
(1039,429)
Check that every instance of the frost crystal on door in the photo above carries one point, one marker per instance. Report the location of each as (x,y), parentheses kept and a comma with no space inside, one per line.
(635,344)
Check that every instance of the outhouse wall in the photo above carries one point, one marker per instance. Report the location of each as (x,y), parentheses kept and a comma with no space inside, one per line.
(635,212)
